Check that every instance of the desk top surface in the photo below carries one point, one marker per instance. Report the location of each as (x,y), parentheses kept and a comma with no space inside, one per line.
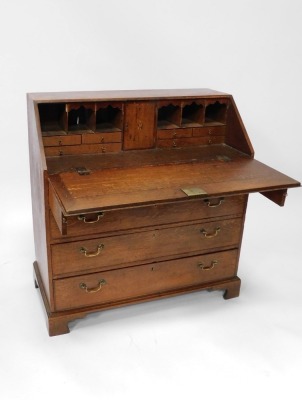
(123,95)
(228,172)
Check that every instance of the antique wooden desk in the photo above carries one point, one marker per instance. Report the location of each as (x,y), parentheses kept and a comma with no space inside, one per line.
(138,195)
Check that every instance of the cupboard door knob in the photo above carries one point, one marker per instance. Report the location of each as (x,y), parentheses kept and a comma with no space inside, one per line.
(87,254)
(213,205)
(210,235)
(206,268)
(83,218)
(83,286)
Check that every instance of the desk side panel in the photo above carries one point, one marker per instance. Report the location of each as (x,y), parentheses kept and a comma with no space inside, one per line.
(236,134)
(39,194)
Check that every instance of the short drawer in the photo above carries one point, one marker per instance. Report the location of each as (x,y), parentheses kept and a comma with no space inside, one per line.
(190,141)
(68,140)
(123,250)
(209,131)
(106,137)
(174,133)
(135,282)
(82,149)
(155,215)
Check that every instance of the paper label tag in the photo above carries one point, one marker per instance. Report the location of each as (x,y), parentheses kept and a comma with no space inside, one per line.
(193,191)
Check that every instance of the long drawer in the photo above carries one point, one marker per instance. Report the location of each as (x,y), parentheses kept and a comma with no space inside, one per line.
(105,252)
(125,219)
(134,282)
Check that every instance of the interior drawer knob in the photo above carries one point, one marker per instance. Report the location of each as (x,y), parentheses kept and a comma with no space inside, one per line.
(84,251)
(210,235)
(89,221)
(83,286)
(212,205)
(206,268)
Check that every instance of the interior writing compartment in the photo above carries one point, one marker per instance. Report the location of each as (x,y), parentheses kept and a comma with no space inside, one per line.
(168,115)
(81,117)
(192,114)
(216,113)
(109,117)
(53,119)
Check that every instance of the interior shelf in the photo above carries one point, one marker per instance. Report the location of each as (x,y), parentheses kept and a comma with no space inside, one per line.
(80,119)
(52,119)
(109,119)
(192,115)
(168,117)
(215,114)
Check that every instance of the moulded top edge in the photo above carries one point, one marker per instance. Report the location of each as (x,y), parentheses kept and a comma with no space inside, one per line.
(123,95)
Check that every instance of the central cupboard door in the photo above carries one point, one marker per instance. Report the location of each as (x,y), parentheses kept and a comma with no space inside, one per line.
(139,130)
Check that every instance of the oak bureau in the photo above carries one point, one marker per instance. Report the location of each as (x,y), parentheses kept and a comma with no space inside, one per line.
(138,195)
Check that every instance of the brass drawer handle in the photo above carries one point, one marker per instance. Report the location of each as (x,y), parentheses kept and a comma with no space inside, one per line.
(87,254)
(83,286)
(83,218)
(209,204)
(210,235)
(207,268)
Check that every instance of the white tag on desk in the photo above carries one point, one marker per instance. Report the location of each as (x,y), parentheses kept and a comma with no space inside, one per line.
(193,191)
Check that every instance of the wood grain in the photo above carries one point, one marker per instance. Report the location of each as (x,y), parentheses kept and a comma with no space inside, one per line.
(190,210)
(134,186)
(149,279)
(143,246)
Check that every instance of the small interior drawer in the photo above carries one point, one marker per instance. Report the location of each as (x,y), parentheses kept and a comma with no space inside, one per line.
(209,131)
(190,141)
(133,282)
(67,140)
(82,149)
(174,133)
(106,137)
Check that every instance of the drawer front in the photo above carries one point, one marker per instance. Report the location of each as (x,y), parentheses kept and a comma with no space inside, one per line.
(119,220)
(83,149)
(106,137)
(174,133)
(209,131)
(134,282)
(67,140)
(110,252)
(191,141)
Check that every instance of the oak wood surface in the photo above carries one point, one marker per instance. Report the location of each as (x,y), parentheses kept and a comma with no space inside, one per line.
(83,149)
(58,321)
(141,158)
(154,212)
(190,210)
(111,95)
(39,189)
(144,246)
(143,185)
(143,280)
(139,129)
